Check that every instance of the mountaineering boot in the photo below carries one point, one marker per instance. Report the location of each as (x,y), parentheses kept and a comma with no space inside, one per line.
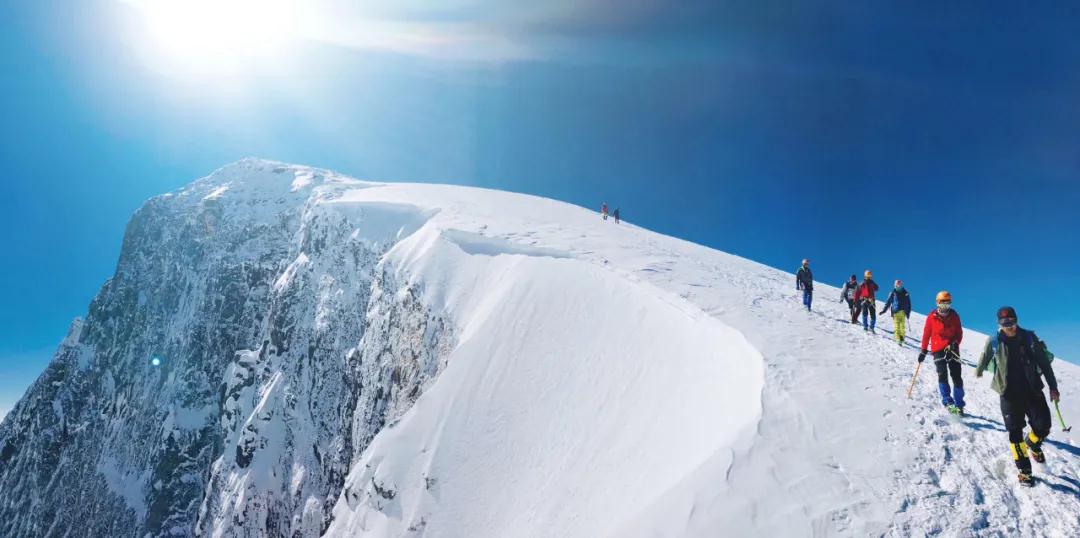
(1020,457)
(1034,445)
(1037,455)
(1026,479)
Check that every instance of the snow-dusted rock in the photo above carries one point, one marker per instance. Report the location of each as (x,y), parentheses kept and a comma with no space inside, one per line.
(224,376)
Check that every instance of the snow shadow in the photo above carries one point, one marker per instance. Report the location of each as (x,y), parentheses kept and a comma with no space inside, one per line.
(1071,480)
(990,420)
(1064,446)
(995,426)
(383,222)
(481,245)
(1062,488)
(907,335)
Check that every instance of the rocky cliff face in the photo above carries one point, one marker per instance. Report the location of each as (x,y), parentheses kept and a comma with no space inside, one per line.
(249,347)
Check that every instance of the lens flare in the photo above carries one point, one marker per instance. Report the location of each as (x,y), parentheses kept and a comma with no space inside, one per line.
(205,33)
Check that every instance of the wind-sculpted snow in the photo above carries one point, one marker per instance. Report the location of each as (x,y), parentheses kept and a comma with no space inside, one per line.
(284,351)
(477,244)
(532,428)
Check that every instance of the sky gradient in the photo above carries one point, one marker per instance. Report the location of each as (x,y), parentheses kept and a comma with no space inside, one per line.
(937,144)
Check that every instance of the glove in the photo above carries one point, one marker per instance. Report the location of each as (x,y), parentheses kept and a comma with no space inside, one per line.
(1055,396)
(922,355)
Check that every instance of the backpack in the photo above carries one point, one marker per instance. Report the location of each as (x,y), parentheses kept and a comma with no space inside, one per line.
(1030,340)
(805,276)
(849,290)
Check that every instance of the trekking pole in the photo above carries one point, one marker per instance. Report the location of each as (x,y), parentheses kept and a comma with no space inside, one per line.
(1057,405)
(913,378)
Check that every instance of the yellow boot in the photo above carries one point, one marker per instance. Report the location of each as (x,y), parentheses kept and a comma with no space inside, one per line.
(1020,456)
(1034,444)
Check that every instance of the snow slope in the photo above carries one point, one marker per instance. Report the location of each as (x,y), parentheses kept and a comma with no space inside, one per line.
(566,407)
(570,401)
(346,358)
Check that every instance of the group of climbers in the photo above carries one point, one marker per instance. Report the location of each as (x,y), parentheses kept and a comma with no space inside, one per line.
(861,300)
(604,212)
(1016,357)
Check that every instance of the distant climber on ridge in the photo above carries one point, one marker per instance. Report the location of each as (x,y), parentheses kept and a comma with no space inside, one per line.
(899,302)
(1017,358)
(848,294)
(603,210)
(615,214)
(942,334)
(804,280)
(864,298)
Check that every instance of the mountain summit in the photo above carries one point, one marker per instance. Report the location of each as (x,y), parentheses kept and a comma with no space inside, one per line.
(285,351)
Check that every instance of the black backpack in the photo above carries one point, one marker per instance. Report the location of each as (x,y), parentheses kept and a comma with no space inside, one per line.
(1030,340)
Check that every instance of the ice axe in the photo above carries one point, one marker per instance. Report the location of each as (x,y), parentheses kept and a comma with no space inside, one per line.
(1057,406)
(913,378)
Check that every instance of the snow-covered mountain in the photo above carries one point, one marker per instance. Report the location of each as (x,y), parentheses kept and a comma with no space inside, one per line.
(284,351)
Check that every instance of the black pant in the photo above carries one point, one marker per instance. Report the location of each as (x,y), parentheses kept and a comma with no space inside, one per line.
(868,307)
(1017,405)
(1014,408)
(854,310)
(947,368)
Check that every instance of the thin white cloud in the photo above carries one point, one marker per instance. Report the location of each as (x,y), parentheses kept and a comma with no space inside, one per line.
(472,30)
(441,40)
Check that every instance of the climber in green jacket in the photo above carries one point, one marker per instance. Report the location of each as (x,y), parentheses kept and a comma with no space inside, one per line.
(1019,361)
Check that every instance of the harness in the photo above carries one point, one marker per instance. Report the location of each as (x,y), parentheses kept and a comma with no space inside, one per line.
(949,356)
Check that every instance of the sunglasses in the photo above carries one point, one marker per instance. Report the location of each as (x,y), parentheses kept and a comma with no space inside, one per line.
(1007,322)
(944,304)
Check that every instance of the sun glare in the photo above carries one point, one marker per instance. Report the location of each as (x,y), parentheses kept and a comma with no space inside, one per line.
(206,33)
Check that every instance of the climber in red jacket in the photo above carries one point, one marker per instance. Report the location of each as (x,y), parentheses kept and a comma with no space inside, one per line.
(942,335)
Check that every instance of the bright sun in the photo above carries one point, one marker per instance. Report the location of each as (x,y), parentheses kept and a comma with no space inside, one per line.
(207,33)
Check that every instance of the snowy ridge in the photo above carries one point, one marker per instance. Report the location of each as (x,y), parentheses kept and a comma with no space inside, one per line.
(838,448)
(349,358)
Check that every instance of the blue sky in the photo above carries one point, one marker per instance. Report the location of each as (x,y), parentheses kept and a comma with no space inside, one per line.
(935,144)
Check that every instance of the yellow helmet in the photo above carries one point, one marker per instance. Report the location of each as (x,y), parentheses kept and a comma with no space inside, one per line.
(943,297)
(868,274)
